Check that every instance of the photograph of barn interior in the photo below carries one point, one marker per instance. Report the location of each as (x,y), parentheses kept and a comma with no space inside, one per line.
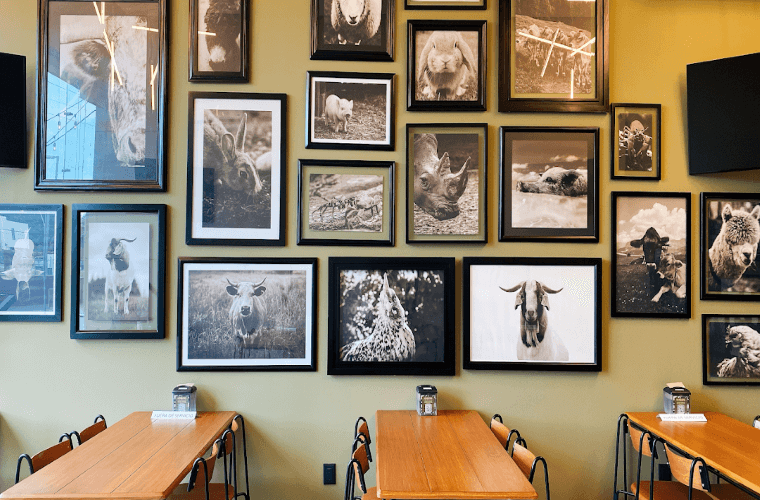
(610,348)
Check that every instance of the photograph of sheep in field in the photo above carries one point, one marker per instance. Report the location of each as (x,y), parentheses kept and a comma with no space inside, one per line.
(730,349)
(218,40)
(359,30)
(358,200)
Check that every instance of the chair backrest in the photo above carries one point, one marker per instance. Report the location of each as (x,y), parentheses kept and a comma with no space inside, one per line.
(357,468)
(361,428)
(691,472)
(203,468)
(526,461)
(97,427)
(641,440)
(504,434)
(239,423)
(46,456)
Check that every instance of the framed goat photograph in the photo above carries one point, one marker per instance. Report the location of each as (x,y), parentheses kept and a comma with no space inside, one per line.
(31,250)
(446,169)
(730,349)
(391,316)
(446,66)
(553,56)
(556,321)
(346,202)
(352,30)
(651,255)
(218,41)
(637,142)
(549,184)
(445,4)
(118,271)
(729,237)
(236,169)
(246,314)
(350,111)
(102,95)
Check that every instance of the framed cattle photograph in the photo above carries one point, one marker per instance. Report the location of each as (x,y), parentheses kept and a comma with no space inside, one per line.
(445,4)
(651,254)
(730,349)
(532,313)
(637,144)
(218,41)
(102,95)
(118,271)
(254,314)
(236,169)
(391,316)
(553,56)
(549,184)
(447,168)
(352,30)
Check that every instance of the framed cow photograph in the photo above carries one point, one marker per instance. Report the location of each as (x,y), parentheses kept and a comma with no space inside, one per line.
(236,169)
(447,168)
(118,271)
(102,95)
(31,250)
(255,314)
(651,255)
(730,345)
(549,184)
(352,30)
(218,41)
(391,316)
(532,313)
(636,145)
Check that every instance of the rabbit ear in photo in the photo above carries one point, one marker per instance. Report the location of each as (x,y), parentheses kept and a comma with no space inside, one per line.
(467,55)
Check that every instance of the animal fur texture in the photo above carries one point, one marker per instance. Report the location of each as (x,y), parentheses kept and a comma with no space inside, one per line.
(744,343)
(735,247)
(436,188)
(559,181)
(673,272)
(22,267)
(225,154)
(247,314)
(223,19)
(445,65)
(121,275)
(337,112)
(356,21)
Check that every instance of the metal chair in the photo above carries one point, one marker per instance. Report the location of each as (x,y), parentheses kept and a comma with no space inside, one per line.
(361,428)
(527,463)
(646,445)
(504,434)
(239,423)
(45,457)
(357,468)
(203,469)
(98,426)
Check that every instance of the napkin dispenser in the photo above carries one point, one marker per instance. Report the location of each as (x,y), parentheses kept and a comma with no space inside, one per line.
(676,398)
(427,400)
(184,397)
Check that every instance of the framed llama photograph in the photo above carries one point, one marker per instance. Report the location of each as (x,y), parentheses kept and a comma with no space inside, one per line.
(730,345)
(246,314)
(555,323)
(445,4)
(218,41)
(352,30)
(637,142)
(391,316)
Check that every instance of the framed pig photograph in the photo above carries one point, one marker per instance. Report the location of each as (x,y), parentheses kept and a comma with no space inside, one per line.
(218,41)
(102,95)
(637,141)
(730,345)
(352,30)
(236,169)
(549,183)
(118,271)
(447,168)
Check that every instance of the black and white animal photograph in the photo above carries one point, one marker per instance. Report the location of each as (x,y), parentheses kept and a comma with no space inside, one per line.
(218,44)
(731,349)
(352,29)
(635,141)
(447,64)
(345,202)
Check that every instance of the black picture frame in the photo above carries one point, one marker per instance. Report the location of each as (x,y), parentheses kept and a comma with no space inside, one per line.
(537,203)
(522,61)
(727,265)
(443,217)
(91,144)
(227,33)
(31,259)
(113,245)
(329,31)
(422,94)
(327,119)
(723,337)
(431,325)
(206,287)
(365,217)
(445,4)
(488,314)
(637,145)
(655,220)
(239,197)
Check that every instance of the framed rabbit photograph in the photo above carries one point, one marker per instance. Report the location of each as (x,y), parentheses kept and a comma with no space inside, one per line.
(446,66)
(352,30)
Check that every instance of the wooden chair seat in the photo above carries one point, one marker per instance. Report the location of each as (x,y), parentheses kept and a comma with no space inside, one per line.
(371,493)
(726,491)
(215,490)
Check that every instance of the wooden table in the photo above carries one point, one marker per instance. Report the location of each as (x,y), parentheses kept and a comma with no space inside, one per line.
(452,455)
(136,458)
(729,447)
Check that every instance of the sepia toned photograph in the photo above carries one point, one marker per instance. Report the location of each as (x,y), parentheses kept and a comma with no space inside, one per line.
(637,141)
(730,349)
(219,40)
(352,30)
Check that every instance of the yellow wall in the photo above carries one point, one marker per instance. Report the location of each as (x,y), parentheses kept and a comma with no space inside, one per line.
(50,384)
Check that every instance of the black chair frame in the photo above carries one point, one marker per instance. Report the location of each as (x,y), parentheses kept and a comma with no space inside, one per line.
(351,480)
(368,439)
(512,432)
(76,434)
(546,474)
(241,423)
(202,461)
(26,457)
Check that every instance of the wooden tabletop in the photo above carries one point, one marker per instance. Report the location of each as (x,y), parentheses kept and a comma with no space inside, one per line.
(135,458)
(452,455)
(729,446)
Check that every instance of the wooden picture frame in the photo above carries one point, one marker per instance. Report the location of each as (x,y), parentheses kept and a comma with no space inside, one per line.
(337,35)
(218,50)
(637,144)
(727,340)
(445,4)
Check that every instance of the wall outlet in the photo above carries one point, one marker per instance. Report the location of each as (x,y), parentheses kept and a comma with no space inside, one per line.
(328,475)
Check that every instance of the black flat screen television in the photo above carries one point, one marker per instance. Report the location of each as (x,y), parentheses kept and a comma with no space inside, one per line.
(13,111)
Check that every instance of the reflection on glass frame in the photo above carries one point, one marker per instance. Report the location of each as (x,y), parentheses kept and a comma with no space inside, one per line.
(352,30)
(102,99)
(31,248)
(635,135)
(445,4)
(729,349)
(218,41)
(117,271)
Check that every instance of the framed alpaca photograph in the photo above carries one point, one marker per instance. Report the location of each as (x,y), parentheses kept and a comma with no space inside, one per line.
(556,320)
(445,4)
(218,41)
(729,238)
(651,255)
(446,66)
(730,349)
(391,316)
(446,193)
(246,314)
(352,30)
(350,111)
(638,141)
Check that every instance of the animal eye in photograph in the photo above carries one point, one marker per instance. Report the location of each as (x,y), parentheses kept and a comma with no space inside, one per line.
(243,174)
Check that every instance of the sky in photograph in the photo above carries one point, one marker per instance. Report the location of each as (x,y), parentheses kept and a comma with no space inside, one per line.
(530,159)
(636,215)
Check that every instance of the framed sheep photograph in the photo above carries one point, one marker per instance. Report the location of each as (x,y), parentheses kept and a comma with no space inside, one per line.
(218,41)
(445,4)
(352,30)
(446,66)
(118,271)
(236,169)
(729,237)
(447,168)
(638,141)
(350,111)
(532,313)
(651,255)
(246,314)
(391,316)
(730,349)
(549,184)
(553,56)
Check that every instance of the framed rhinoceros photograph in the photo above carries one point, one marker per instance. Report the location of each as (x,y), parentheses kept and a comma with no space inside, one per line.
(549,184)
(252,314)
(352,30)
